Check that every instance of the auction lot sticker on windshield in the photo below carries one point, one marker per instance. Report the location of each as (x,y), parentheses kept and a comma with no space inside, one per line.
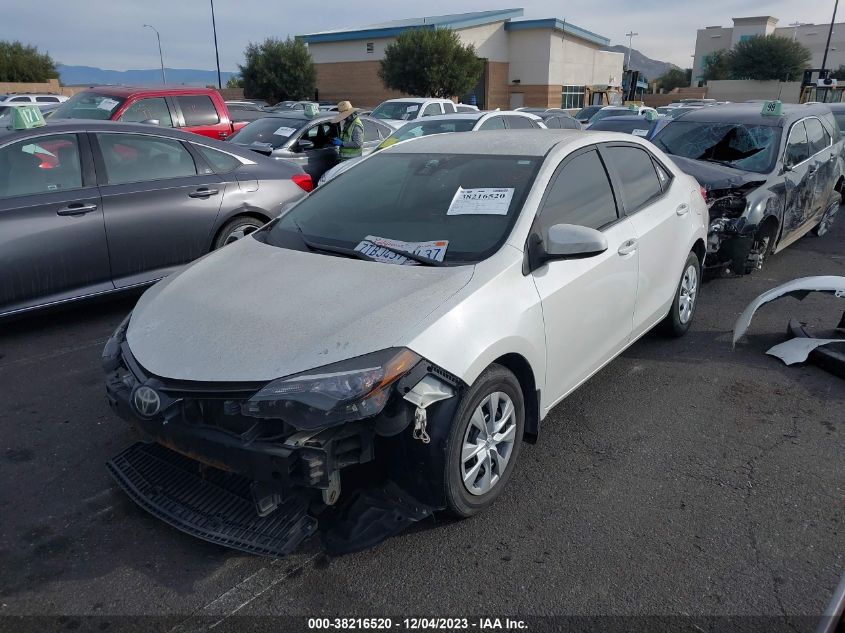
(374,247)
(484,201)
(107,104)
(284,131)
(640,132)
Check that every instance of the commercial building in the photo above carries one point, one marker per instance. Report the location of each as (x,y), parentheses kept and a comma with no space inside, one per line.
(547,63)
(814,36)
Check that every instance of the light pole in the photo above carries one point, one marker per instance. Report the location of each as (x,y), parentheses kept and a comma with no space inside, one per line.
(630,35)
(216,52)
(829,33)
(160,56)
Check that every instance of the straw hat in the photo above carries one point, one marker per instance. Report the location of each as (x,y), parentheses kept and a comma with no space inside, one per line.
(344,110)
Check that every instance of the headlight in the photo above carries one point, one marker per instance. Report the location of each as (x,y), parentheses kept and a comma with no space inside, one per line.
(111,352)
(350,390)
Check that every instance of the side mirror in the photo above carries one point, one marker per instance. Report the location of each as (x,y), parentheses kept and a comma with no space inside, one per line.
(151,122)
(304,144)
(565,241)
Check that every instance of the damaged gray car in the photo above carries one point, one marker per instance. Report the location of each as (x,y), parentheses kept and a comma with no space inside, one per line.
(771,175)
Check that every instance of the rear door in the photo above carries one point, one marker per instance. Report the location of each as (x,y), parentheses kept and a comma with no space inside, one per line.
(159,208)
(822,166)
(52,236)
(199,115)
(659,212)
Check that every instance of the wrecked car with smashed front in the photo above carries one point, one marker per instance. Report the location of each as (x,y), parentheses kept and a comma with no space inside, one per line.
(772,173)
(382,349)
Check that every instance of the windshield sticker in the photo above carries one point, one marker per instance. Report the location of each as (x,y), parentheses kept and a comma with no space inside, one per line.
(640,132)
(484,201)
(284,131)
(107,104)
(379,249)
(412,108)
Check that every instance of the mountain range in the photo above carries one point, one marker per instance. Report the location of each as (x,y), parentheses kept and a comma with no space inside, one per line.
(651,68)
(90,75)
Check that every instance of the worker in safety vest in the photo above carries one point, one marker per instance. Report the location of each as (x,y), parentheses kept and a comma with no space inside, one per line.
(351,141)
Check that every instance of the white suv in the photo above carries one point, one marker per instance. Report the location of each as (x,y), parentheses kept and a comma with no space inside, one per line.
(40,98)
(397,112)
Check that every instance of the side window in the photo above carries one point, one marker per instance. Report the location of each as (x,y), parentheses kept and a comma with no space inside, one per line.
(198,110)
(493,123)
(321,135)
(432,109)
(580,194)
(636,171)
(662,175)
(371,131)
(817,136)
(20,100)
(140,158)
(43,165)
(520,123)
(220,161)
(154,108)
(449,108)
(47,99)
(797,147)
(553,123)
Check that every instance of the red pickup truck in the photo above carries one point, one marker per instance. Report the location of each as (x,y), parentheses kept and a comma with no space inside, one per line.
(198,110)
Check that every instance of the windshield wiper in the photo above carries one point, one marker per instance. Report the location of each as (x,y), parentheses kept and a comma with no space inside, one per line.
(328,248)
(719,162)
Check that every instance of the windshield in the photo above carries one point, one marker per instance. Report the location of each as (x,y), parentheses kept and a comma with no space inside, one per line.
(840,120)
(427,128)
(587,112)
(603,114)
(743,146)
(398,110)
(639,127)
(89,105)
(271,131)
(414,199)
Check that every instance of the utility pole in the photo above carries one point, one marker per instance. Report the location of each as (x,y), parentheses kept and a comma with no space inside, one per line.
(216,52)
(630,35)
(829,33)
(160,56)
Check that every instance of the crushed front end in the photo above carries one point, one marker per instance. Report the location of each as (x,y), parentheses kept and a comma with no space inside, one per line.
(260,466)
(734,221)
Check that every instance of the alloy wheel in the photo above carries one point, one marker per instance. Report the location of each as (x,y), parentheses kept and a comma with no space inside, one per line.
(488,443)
(687,294)
(241,232)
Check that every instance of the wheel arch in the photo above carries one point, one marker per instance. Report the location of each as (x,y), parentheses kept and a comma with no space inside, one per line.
(243,212)
(700,250)
(519,366)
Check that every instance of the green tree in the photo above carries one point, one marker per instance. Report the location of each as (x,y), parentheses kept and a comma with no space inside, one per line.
(19,62)
(765,57)
(277,70)
(674,78)
(430,63)
(717,65)
(235,81)
(839,73)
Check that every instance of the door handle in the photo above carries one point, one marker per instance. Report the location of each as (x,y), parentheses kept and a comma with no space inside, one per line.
(628,247)
(682,209)
(203,192)
(77,208)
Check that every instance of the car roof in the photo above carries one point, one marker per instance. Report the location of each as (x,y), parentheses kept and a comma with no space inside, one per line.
(751,113)
(128,91)
(624,117)
(835,107)
(406,99)
(59,126)
(457,116)
(493,142)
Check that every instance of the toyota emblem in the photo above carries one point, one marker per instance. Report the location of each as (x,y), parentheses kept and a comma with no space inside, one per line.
(147,402)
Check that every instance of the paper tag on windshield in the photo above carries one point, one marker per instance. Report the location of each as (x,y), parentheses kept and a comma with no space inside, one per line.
(374,247)
(412,108)
(639,132)
(284,131)
(107,104)
(485,201)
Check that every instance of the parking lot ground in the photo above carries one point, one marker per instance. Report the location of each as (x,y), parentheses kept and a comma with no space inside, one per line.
(686,478)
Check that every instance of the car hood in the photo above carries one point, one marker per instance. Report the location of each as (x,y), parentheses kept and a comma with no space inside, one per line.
(715,176)
(251,312)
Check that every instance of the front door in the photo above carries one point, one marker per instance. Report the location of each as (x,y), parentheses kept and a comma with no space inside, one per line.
(317,154)
(588,304)
(159,212)
(822,165)
(798,184)
(52,238)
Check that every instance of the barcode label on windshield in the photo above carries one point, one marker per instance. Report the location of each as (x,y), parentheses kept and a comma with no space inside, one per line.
(484,201)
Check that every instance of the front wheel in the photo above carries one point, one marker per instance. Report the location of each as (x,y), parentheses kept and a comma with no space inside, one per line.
(235,229)
(829,216)
(484,442)
(679,319)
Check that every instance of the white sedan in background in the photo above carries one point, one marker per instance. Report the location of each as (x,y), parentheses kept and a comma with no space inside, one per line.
(446,124)
(426,315)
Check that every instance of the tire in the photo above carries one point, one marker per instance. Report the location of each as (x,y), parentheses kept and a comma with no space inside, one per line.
(763,245)
(681,314)
(496,385)
(235,229)
(829,216)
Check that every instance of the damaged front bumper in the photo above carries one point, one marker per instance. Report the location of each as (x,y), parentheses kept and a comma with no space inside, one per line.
(221,471)
(729,244)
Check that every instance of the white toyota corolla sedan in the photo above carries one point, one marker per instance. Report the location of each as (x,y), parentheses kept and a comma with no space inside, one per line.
(423,313)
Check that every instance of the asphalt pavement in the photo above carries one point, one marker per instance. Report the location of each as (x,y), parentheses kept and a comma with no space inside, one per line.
(685,479)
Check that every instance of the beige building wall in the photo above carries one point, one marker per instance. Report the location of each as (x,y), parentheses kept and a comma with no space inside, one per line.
(529,54)
(490,41)
(349,51)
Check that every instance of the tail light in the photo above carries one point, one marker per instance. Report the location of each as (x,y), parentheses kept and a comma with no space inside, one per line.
(703,193)
(304,181)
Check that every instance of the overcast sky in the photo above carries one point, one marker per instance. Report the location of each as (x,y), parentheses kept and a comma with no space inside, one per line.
(108,33)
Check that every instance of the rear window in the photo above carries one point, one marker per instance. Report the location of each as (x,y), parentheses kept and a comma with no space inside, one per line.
(198,110)
(89,105)
(401,111)
(427,128)
(270,131)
